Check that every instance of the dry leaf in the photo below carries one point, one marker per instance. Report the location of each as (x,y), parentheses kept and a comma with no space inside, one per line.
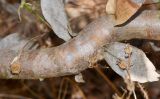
(13,41)
(141,68)
(111,6)
(125,9)
(54,13)
(16,42)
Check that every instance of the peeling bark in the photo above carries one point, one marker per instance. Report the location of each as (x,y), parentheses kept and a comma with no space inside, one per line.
(78,53)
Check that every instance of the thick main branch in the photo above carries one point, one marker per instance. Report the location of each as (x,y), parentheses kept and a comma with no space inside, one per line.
(77,54)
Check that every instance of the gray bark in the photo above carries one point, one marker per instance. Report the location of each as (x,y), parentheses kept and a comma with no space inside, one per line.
(78,53)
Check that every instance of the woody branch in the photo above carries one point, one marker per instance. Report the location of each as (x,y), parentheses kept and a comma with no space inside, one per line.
(75,55)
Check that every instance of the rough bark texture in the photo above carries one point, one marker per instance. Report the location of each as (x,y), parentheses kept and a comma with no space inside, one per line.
(78,53)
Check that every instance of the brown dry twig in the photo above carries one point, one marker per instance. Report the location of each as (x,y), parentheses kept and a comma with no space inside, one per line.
(145,94)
